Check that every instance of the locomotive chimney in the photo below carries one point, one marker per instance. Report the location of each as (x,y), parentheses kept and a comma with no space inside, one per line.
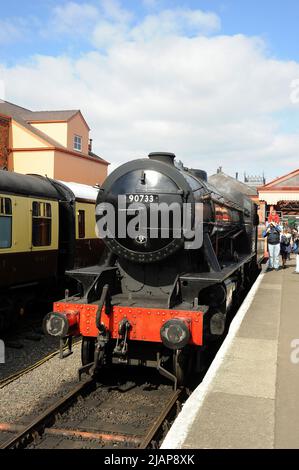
(164,157)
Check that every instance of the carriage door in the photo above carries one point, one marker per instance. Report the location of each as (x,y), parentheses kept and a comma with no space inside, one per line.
(44,238)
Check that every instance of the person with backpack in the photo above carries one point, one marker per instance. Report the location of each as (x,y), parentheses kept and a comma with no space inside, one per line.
(285,246)
(296,249)
(272,233)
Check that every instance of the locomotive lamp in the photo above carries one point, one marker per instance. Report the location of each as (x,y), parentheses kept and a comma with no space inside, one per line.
(60,324)
(64,326)
(175,334)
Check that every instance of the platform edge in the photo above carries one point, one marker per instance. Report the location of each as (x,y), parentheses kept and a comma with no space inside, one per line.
(178,433)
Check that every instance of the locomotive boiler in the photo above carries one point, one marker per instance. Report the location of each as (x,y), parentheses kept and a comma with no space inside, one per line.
(164,290)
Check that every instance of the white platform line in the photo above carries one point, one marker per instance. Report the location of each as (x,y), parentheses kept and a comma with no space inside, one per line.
(181,426)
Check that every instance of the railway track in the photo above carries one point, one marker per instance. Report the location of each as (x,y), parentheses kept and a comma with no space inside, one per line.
(89,417)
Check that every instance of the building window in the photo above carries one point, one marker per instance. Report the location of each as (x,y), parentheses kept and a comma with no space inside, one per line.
(5,222)
(41,224)
(78,143)
(81,224)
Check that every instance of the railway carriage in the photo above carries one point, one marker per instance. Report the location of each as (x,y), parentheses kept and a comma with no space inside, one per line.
(46,227)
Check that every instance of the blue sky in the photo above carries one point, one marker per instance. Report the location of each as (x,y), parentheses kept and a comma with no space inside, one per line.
(214,81)
(276,21)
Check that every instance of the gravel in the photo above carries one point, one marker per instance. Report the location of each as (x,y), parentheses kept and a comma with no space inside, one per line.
(27,345)
(35,391)
(18,359)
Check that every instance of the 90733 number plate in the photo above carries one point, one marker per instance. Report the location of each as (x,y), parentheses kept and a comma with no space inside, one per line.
(144,198)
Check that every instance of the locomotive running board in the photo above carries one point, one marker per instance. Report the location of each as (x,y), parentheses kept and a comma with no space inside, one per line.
(218,276)
(91,277)
(192,283)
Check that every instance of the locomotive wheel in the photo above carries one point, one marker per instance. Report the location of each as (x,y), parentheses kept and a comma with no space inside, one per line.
(87,350)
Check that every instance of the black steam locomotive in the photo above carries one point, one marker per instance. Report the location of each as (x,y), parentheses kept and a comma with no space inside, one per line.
(160,296)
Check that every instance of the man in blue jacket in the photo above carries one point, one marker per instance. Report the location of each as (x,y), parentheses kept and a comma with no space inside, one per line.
(272,232)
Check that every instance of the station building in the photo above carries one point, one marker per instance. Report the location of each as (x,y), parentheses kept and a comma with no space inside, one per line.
(50,143)
(281,194)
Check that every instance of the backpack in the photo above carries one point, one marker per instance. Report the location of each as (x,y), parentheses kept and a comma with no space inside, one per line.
(285,240)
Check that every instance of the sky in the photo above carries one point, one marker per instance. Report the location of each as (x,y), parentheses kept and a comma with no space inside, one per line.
(214,81)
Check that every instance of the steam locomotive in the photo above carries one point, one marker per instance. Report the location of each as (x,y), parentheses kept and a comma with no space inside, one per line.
(157,300)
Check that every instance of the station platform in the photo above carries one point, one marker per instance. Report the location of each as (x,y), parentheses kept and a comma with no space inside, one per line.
(249,398)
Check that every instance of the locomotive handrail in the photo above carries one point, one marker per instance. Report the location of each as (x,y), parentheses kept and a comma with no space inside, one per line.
(214,191)
(227,203)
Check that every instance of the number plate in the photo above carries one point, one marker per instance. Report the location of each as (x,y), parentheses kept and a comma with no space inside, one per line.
(144,198)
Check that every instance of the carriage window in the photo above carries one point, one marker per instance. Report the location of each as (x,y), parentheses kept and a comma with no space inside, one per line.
(5,222)
(81,224)
(41,224)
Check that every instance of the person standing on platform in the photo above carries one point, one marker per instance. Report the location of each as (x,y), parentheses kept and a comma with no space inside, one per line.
(285,246)
(296,249)
(272,233)
(290,236)
(273,217)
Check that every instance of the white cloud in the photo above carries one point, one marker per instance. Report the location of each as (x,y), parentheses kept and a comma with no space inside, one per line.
(12,30)
(109,23)
(176,22)
(211,100)
(72,18)
(84,18)
(106,34)
(112,9)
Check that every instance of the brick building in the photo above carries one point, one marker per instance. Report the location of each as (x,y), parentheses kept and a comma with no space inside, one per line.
(52,143)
